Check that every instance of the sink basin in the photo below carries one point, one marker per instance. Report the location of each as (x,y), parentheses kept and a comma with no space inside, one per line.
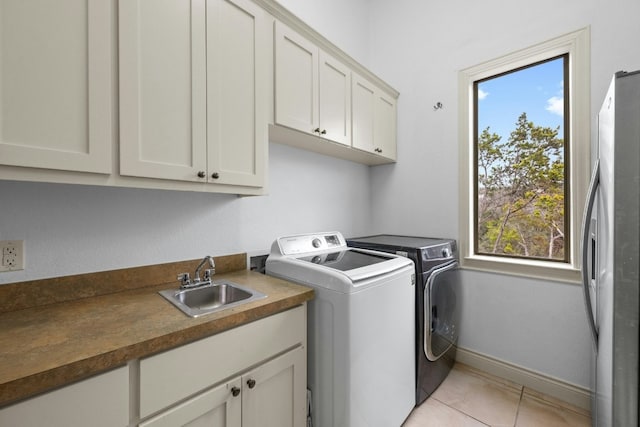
(211,298)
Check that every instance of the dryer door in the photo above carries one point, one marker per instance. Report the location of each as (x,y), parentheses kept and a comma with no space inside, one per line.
(442,310)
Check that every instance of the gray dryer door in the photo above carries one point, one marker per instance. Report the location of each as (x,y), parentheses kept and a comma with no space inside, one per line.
(442,310)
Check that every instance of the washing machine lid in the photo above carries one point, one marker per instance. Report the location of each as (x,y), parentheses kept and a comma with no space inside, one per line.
(346,259)
(324,260)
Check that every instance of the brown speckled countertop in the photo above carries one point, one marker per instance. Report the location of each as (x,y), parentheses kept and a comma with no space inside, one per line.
(54,344)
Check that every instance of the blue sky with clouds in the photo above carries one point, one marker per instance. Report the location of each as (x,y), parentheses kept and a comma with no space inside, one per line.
(536,90)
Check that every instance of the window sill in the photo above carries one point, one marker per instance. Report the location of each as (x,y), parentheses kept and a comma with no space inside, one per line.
(558,272)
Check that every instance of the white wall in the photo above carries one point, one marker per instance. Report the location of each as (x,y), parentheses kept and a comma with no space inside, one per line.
(76,229)
(419,47)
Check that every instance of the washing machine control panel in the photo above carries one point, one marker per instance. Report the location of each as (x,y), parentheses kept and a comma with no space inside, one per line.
(304,243)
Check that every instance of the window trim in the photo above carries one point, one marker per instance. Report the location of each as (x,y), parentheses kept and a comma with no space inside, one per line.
(577,45)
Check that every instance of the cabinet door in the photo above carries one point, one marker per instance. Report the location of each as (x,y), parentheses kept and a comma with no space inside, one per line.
(163,89)
(296,79)
(238,34)
(385,125)
(56,84)
(335,100)
(100,401)
(274,394)
(216,407)
(373,119)
(213,359)
(364,105)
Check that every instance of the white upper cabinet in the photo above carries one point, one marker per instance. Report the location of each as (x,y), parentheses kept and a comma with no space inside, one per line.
(312,89)
(327,96)
(364,98)
(238,62)
(163,89)
(335,100)
(374,119)
(56,84)
(200,87)
(385,128)
(296,80)
(193,90)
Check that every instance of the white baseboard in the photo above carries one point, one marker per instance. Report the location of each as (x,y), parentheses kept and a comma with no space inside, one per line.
(554,387)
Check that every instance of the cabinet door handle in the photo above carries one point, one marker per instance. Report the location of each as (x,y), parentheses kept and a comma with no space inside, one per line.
(215,175)
(317,130)
(324,132)
(378,150)
(235,391)
(201,174)
(251,383)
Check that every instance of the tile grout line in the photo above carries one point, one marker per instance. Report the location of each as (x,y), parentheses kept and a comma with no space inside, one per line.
(460,412)
(515,422)
(545,400)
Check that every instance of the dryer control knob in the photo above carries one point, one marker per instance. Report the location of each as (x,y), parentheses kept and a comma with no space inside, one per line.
(316,243)
(446,252)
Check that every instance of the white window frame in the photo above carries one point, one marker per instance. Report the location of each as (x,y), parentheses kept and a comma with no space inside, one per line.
(577,45)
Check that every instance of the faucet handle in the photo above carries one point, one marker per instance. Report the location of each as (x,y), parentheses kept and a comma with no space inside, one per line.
(208,273)
(184,279)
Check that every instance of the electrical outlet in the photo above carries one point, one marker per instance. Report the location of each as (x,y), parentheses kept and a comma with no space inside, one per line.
(12,255)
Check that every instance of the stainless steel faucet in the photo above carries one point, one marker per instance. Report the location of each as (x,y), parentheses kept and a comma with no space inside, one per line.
(208,272)
(185,281)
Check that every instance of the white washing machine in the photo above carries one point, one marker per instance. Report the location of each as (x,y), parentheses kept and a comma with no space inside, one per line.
(361,345)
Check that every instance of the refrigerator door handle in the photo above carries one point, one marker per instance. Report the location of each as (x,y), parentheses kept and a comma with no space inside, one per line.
(586,221)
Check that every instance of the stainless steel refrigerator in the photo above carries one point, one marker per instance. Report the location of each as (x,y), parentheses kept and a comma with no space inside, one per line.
(611,239)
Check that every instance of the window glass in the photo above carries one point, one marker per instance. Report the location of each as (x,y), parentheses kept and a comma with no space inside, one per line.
(520,152)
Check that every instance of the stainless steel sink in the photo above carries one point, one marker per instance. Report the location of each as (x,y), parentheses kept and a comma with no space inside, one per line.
(206,299)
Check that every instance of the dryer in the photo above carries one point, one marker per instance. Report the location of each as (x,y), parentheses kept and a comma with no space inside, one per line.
(360,328)
(438,302)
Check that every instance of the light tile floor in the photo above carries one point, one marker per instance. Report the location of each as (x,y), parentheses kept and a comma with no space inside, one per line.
(471,398)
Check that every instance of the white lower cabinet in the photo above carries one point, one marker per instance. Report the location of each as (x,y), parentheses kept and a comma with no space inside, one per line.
(100,401)
(267,396)
(221,407)
(274,394)
(254,375)
(250,376)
